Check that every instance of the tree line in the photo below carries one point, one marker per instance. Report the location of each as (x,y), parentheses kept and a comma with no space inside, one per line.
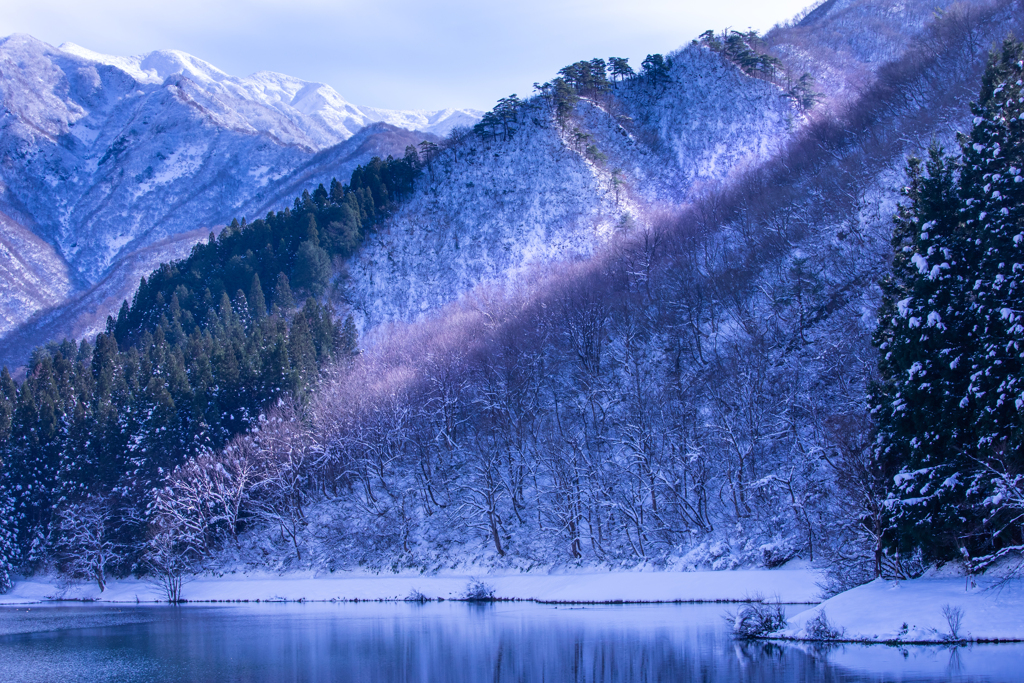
(747,50)
(592,79)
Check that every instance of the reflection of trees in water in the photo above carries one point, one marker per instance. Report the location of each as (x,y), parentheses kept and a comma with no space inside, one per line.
(956,664)
(458,643)
(619,655)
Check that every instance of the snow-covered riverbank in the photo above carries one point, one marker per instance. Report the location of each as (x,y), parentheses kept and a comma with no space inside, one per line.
(793,584)
(922,610)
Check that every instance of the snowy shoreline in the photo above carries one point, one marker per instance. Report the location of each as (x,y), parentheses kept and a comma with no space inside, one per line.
(991,610)
(788,585)
(943,610)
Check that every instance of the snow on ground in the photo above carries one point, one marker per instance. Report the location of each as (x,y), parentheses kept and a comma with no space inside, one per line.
(912,611)
(796,585)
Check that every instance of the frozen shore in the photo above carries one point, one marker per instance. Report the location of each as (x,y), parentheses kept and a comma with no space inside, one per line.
(791,584)
(913,612)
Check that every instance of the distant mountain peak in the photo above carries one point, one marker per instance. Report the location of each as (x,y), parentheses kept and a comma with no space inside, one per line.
(153,67)
(292,96)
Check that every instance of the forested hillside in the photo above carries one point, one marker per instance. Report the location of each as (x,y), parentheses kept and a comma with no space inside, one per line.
(627,320)
(202,351)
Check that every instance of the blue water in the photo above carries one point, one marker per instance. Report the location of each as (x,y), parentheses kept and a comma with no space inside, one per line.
(390,642)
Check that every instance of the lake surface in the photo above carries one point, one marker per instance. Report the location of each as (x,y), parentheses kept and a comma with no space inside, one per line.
(392,642)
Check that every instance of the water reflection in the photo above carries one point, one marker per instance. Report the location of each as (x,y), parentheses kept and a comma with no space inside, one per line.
(382,642)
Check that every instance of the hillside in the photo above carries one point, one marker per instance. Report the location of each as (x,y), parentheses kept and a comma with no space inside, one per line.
(492,209)
(687,389)
(625,321)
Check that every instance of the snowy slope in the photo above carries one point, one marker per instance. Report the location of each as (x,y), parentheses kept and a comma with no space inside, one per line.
(844,43)
(912,611)
(504,208)
(779,277)
(494,210)
(105,156)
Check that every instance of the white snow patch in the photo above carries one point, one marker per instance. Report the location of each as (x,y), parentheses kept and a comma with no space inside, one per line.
(911,611)
(790,585)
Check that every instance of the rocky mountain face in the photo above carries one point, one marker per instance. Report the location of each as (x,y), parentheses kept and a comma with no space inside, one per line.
(110,165)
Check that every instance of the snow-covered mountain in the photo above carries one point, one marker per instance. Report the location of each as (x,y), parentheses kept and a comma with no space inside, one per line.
(495,209)
(320,117)
(695,394)
(639,314)
(104,159)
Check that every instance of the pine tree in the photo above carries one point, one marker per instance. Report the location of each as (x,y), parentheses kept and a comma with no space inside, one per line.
(620,68)
(256,300)
(7,534)
(993,189)
(312,268)
(302,353)
(950,406)
(348,341)
(920,404)
(283,294)
(994,207)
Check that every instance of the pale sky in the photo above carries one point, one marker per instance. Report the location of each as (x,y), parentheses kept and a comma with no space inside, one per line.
(397,54)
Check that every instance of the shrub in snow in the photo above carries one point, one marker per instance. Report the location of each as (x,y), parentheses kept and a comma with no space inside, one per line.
(478,591)
(777,553)
(416,596)
(758,619)
(840,576)
(954,618)
(820,628)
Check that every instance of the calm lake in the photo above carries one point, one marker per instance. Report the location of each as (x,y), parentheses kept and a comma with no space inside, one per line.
(390,642)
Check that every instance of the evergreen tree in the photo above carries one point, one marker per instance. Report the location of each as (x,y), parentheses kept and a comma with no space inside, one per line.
(348,342)
(620,68)
(950,406)
(312,268)
(302,353)
(993,190)
(920,403)
(7,536)
(283,294)
(257,302)
(994,209)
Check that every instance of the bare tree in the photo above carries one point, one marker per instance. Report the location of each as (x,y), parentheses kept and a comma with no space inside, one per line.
(85,546)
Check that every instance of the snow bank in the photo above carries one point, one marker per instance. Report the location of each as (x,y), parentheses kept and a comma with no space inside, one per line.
(789,585)
(912,611)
